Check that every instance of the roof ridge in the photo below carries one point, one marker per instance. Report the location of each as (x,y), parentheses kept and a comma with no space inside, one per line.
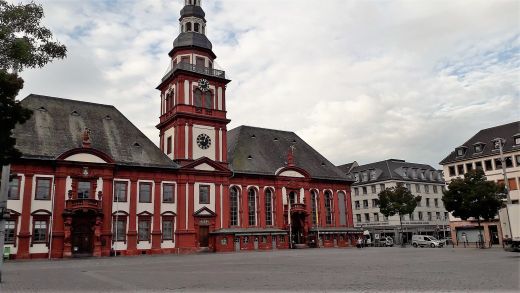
(69,100)
(264,128)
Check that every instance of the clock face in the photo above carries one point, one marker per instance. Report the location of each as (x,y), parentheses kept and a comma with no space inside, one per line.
(203,141)
(203,85)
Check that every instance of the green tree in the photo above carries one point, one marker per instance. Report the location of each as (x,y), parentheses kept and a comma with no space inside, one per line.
(24,43)
(397,200)
(473,197)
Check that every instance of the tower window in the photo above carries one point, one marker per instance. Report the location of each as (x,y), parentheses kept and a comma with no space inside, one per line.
(188,27)
(196,27)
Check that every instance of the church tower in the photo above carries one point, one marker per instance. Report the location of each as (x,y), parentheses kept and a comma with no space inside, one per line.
(193,94)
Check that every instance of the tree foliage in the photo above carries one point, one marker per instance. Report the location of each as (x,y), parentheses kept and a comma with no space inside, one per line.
(473,197)
(24,43)
(397,200)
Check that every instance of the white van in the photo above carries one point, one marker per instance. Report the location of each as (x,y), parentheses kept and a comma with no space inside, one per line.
(425,241)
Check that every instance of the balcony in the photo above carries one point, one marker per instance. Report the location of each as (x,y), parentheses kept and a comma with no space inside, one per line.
(296,208)
(83,204)
(194,68)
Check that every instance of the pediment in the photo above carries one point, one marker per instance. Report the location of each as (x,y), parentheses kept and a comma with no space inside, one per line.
(204,212)
(293,172)
(85,155)
(205,164)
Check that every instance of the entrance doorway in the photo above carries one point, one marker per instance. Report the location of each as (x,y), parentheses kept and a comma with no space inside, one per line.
(203,236)
(82,236)
(493,234)
(297,228)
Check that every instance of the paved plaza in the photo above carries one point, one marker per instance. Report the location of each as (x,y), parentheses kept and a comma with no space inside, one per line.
(368,269)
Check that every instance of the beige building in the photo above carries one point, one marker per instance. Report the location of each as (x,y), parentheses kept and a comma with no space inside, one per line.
(430,217)
(482,152)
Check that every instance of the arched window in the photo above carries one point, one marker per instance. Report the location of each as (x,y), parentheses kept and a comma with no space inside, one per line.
(328,208)
(188,27)
(314,203)
(268,207)
(233,206)
(197,98)
(208,100)
(196,27)
(251,204)
(342,214)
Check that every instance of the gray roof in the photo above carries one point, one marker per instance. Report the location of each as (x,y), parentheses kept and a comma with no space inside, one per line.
(254,150)
(393,169)
(486,137)
(192,39)
(57,125)
(192,10)
(346,168)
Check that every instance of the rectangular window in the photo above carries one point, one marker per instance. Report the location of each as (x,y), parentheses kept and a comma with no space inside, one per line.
(460,169)
(373,187)
(427,202)
(419,203)
(40,231)
(478,165)
(405,172)
(417,187)
(420,216)
(512,184)
(411,217)
(436,202)
(372,175)
(437,215)
(365,176)
(376,217)
(452,170)
(423,175)
(357,204)
(409,186)
(14,189)
(509,162)
(356,191)
(10,231)
(43,189)
(169,145)
(429,216)
(203,194)
(282,238)
(144,227)
(367,217)
(498,164)
(374,203)
(356,177)
(119,228)
(435,190)
(414,173)
(168,193)
(488,165)
(185,59)
(365,204)
(517,159)
(167,229)
(426,188)
(358,218)
(469,166)
(120,191)
(145,192)
(382,186)
(83,189)
(446,216)
(365,190)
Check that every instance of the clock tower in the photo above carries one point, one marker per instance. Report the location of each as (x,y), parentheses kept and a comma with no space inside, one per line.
(193,94)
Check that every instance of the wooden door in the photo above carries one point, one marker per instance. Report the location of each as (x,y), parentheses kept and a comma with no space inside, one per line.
(204,236)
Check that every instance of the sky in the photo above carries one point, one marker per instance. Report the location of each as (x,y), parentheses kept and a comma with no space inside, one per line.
(358,80)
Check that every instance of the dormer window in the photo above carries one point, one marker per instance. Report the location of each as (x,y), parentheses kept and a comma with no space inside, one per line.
(372,174)
(516,139)
(356,177)
(461,151)
(423,176)
(414,173)
(478,147)
(365,176)
(405,172)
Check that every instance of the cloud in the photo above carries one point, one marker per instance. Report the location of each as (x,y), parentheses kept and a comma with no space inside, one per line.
(358,80)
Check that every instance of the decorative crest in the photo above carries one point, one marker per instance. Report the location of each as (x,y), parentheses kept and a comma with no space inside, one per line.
(290,156)
(86,138)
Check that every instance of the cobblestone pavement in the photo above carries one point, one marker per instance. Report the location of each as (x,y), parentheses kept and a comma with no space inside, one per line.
(368,269)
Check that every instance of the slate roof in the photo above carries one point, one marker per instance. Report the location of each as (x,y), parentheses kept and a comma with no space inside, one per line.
(268,148)
(192,10)
(192,39)
(486,137)
(393,169)
(346,168)
(57,125)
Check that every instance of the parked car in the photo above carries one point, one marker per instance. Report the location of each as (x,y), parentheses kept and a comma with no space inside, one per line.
(426,241)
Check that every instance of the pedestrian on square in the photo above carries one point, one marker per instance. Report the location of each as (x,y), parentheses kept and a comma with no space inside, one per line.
(359,243)
(464,239)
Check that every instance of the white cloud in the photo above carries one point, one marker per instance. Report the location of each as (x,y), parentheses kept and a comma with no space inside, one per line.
(358,80)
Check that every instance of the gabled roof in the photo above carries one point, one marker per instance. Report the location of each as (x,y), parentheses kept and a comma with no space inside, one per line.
(254,150)
(56,126)
(393,169)
(486,136)
(346,168)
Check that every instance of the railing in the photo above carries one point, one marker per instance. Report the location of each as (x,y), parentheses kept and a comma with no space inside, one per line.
(83,203)
(195,68)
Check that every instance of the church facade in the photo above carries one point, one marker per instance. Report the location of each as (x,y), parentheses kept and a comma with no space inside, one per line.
(90,183)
